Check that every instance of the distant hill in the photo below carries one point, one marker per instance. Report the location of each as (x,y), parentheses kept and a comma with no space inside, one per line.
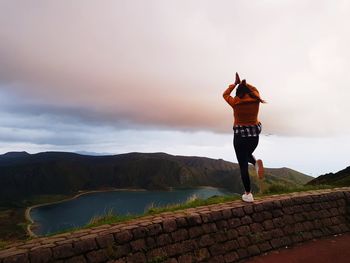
(341,178)
(23,175)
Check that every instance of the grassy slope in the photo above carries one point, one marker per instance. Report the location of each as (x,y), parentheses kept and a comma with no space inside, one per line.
(341,178)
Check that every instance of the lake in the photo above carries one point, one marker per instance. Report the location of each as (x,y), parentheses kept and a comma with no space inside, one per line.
(78,212)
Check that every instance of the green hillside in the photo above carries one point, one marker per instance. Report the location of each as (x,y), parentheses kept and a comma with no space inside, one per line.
(341,178)
(25,175)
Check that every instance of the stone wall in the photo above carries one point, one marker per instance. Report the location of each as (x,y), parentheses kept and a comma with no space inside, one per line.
(225,232)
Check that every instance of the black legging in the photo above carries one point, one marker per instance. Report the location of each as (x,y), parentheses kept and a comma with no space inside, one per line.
(244,148)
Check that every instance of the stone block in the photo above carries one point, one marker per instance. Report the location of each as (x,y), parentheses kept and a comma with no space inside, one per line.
(258,208)
(231,257)
(163,240)
(222,224)
(266,215)
(277,213)
(137,245)
(119,250)
(169,225)
(97,256)
(243,242)
(298,217)
(205,241)
(268,225)
(123,236)
(63,251)
(277,232)
(276,243)
(226,213)
(18,258)
(181,222)
(276,204)
(154,229)
(151,242)
(248,209)
(264,246)
(258,217)
(278,222)
(188,245)
(288,219)
(174,249)
(246,220)
(205,218)
(209,228)
(230,245)
(232,234)
(307,207)
(217,215)
(82,246)
(188,258)
(195,231)
(201,254)
(194,220)
(256,227)
(179,235)
(238,212)
(156,254)
(219,236)
(286,202)
(105,240)
(242,253)
(306,235)
(42,255)
(234,222)
(268,206)
(138,257)
(140,232)
(217,249)
(243,230)
(253,250)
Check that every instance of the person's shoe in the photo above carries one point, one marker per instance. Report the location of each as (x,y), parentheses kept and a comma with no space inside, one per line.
(259,168)
(247,197)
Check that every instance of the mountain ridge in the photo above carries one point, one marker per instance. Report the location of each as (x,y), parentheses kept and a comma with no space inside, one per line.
(340,178)
(24,175)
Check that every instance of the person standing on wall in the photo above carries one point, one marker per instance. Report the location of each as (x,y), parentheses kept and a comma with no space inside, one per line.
(246,129)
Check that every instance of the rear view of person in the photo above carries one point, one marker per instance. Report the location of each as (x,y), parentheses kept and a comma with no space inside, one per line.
(246,129)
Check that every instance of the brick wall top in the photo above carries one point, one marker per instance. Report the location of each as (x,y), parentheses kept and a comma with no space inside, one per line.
(171,228)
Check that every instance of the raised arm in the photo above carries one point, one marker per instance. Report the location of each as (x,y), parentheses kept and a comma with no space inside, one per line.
(227,93)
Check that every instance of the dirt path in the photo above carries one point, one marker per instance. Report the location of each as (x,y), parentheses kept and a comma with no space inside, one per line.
(331,249)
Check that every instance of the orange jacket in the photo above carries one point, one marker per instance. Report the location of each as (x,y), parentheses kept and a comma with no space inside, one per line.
(245,110)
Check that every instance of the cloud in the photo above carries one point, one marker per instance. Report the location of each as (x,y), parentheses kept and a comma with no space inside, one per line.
(165,64)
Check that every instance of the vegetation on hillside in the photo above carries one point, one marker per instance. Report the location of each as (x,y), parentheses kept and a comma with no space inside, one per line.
(341,178)
(55,173)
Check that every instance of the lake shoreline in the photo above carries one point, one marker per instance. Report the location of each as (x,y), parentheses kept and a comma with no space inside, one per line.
(69,198)
(84,192)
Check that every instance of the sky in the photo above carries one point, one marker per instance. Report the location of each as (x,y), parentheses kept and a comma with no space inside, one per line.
(132,75)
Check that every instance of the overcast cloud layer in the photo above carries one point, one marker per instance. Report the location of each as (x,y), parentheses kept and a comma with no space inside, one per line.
(166,63)
(119,76)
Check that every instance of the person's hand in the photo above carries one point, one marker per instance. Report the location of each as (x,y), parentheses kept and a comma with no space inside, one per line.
(238,80)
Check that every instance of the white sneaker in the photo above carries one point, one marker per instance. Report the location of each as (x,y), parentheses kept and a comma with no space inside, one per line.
(247,197)
(259,168)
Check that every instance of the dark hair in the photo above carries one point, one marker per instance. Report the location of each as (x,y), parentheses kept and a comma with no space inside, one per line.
(244,89)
